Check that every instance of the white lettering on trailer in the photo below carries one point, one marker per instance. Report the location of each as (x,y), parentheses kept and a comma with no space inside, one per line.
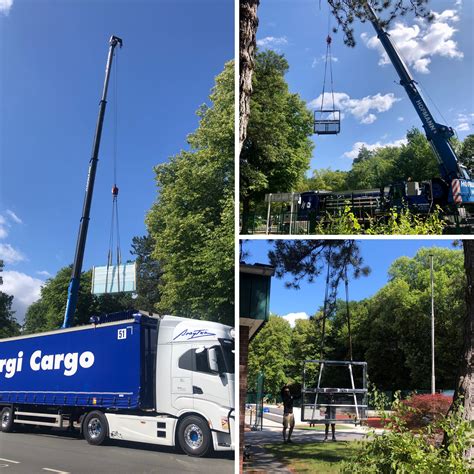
(121,334)
(11,366)
(70,361)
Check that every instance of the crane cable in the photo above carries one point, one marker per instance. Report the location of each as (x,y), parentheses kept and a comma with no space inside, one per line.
(348,314)
(114,226)
(325,307)
(329,60)
(326,310)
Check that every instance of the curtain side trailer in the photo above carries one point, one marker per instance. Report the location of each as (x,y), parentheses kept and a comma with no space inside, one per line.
(165,381)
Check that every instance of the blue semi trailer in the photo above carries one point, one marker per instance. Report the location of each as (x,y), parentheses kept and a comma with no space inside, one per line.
(167,381)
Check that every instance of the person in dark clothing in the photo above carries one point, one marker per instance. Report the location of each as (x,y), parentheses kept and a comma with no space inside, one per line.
(330,415)
(288,416)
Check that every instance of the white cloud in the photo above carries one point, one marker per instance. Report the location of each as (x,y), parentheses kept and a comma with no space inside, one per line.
(10,255)
(464,122)
(44,273)
(463,127)
(371,146)
(292,317)
(401,119)
(361,109)
(368,119)
(5,223)
(272,41)
(14,217)
(322,59)
(5,6)
(420,42)
(3,227)
(25,290)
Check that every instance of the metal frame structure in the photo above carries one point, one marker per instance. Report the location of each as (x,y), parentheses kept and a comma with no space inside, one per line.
(359,395)
(324,125)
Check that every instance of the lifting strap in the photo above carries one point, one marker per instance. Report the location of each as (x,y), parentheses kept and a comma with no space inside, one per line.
(328,60)
(325,307)
(348,314)
(323,335)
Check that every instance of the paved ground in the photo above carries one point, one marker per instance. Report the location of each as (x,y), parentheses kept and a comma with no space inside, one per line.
(58,452)
(261,461)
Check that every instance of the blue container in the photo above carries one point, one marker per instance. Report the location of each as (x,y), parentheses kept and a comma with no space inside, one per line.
(107,366)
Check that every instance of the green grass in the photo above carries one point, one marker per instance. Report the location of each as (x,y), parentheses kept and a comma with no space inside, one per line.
(313,457)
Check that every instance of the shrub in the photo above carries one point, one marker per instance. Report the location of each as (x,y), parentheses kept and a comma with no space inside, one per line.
(398,222)
(401,450)
(423,410)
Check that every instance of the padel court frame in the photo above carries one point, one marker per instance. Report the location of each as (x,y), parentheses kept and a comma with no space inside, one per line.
(357,394)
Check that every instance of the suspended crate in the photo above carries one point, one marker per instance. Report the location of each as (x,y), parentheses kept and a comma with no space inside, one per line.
(334,392)
(114,279)
(327,122)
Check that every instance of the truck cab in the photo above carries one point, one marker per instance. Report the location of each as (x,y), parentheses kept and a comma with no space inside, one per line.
(194,390)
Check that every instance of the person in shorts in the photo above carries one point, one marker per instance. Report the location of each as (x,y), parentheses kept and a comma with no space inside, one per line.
(288,415)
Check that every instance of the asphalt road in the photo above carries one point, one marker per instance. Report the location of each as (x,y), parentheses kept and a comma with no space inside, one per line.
(42,451)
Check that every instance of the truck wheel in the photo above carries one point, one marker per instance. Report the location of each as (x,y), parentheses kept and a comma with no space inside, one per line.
(95,428)
(6,420)
(194,436)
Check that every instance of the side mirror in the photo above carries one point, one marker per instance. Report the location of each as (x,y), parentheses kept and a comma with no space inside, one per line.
(212,358)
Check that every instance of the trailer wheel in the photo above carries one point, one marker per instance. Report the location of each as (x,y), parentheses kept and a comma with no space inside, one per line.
(95,428)
(194,436)
(6,420)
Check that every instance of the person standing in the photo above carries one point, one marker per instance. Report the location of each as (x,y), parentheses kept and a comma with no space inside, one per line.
(288,415)
(330,419)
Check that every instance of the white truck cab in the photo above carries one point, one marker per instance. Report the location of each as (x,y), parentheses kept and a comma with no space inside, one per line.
(194,390)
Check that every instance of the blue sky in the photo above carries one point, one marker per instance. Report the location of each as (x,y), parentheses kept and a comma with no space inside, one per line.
(376,110)
(377,254)
(52,61)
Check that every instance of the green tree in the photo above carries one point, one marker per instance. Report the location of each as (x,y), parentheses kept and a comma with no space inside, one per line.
(346,11)
(306,259)
(148,273)
(416,160)
(192,219)
(375,171)
(325,179)
(305,345)
(276,152)
(268,353)
(395,333)
(466,156)
(8,324)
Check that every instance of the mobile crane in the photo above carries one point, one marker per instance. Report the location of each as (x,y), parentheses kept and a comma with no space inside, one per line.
(453,191)
(73,289)
(456,186)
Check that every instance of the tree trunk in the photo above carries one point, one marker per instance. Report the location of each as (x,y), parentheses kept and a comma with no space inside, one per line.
(464,387)
(245,214)
(248,43)
(465,380)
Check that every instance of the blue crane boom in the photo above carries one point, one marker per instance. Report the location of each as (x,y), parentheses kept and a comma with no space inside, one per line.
(73,290)
(437,134)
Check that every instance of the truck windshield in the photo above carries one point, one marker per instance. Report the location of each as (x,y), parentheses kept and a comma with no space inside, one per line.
(228,347)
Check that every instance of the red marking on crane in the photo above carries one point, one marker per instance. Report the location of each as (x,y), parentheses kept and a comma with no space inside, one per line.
(456,189)
(115,191)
